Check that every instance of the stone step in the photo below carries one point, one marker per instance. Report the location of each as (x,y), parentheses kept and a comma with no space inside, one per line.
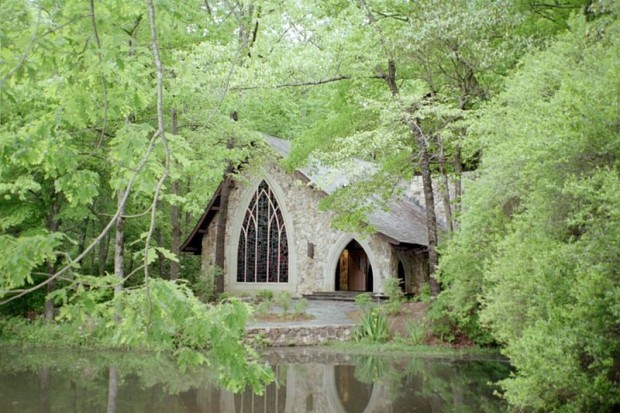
(333,295)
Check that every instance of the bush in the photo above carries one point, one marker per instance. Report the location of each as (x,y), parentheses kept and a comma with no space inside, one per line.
(300,307)
(536,257)
(264,295)
(283,300)
(396,296)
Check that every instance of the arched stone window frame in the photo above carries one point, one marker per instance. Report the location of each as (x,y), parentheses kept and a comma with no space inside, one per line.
(329,271)
(233,244)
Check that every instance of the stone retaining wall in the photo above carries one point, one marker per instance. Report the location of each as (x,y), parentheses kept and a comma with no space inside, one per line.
(300,336)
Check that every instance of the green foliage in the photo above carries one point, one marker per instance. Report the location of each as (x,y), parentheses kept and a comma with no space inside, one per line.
(372,327)
(299,307)
(417,332)
(204,284)
(284,301)
(264,295)
(364,301)
(22,255)
(536,261)
(424,293)
(396,296)
(164,316)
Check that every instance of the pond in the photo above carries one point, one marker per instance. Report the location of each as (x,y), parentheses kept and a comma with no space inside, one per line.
(307,380)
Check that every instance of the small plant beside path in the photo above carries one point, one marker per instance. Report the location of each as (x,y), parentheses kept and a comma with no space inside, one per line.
(281,307)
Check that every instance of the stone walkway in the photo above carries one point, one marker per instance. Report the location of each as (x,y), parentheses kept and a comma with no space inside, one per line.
(325,313)
(330,323)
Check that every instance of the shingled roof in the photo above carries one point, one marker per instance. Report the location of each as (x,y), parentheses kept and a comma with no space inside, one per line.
(403,222)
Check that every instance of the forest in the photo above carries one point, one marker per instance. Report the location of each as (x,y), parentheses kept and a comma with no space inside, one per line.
(119,119)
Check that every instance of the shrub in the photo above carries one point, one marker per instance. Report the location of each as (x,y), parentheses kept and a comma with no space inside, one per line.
(396,296)
(283,300)
(300,306)
(264,295)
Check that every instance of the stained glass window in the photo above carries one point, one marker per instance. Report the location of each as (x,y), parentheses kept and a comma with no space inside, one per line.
(263,246)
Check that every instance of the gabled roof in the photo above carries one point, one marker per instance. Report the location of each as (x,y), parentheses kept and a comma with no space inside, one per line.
(404,221)
(193,243)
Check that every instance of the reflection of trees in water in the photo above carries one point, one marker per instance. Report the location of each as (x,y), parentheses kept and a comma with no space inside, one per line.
(44,390)
(273,399)
(84,382)
(461,385)
(74,382)
(434,384)
(112,389)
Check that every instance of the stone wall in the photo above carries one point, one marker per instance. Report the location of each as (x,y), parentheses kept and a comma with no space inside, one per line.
(305,225)
(415,264)
(207,259)
(299,336)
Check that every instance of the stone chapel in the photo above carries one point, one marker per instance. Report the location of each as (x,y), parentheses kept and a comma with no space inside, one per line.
(277,239)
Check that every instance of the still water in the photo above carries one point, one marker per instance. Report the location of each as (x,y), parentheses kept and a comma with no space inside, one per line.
(307,380)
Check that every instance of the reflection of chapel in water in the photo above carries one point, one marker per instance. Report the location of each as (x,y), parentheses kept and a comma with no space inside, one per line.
(311,388)
(324,388)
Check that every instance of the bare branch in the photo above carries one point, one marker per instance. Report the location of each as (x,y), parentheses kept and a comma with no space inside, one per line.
(162,136)
(300,84)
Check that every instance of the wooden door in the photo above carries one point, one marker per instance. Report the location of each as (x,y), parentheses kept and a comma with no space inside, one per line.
(358,263)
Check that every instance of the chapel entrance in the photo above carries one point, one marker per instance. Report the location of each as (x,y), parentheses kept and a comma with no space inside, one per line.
(353,271)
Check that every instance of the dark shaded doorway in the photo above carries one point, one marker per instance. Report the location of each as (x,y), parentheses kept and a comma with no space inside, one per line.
(401,276)
(353,271)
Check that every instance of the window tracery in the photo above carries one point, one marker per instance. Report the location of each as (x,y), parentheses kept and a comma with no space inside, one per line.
(262,255)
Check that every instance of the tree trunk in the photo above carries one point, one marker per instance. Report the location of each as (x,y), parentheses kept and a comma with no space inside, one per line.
(458,189)
(119,250)
(161,260)
(431,219)
(52,226)
(420,141)
(175,242)
(220,241)
(104,247)
(49,304)
(82,244)
(445,187)
(429,200)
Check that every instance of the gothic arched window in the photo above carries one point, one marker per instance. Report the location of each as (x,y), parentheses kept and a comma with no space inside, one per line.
(263,246)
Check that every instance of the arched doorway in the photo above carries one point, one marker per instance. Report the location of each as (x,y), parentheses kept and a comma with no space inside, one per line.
(401,277)
(353,270)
